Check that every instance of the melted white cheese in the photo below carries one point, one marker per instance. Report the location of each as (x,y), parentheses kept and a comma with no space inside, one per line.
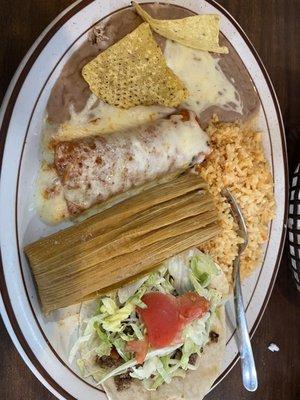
(206,82)
(52,209)
(99,118)
(135,157)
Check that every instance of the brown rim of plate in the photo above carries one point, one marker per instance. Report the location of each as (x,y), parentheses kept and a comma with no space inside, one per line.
(3,131)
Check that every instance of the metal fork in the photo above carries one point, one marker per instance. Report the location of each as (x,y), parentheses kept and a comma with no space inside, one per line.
(247,360)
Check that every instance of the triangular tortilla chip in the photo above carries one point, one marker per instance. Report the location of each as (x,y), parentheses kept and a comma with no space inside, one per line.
(199,31)
(134,72)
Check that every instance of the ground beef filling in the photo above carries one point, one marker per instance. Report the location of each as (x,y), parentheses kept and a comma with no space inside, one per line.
(123,381)
(177,355)
(214,337)
(128,330)
(193,358)
(108,361)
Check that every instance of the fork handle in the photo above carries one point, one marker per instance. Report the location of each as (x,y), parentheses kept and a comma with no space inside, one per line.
(247,360)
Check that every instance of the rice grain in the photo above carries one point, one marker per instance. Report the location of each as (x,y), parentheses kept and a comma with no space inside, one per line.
(238,163)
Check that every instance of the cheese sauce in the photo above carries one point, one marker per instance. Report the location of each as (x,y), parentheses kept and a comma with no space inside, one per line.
(49,198)
(99,118)
(206,82)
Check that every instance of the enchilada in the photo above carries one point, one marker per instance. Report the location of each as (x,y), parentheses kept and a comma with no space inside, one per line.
(94,169)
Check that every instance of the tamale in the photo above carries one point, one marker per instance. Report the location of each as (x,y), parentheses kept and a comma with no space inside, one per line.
(121,242)
(95,226)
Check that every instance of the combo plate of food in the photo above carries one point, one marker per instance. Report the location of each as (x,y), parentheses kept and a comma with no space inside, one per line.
(124,124)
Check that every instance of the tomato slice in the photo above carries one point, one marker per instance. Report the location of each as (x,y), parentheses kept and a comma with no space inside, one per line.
(139,347)
(167,315)
(191,306)
(161,318)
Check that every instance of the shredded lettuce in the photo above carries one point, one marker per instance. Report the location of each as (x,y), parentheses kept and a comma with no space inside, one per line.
(125,292)
(105,345)
(145,370)
(197,286)
(189,347)
(179,271)
(137,330)
(119,345)
(195,336)
(116,322)
(158,280)
(109,306)
(198,330)
(195,275)
(157,382)
(215,298)
(90,325)
(203,268)
(166,373)
(132,363)
(112,322)
(163,369)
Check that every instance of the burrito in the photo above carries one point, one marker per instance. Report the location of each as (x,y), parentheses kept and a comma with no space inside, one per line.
(95,169)
(160,337)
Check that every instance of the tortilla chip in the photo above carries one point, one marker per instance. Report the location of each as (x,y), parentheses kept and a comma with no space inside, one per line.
(134,72)
(199,31)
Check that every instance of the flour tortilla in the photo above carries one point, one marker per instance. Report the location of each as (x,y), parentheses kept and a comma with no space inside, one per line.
(195,385)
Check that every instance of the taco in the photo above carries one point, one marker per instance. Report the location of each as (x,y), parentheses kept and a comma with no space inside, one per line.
(160,337)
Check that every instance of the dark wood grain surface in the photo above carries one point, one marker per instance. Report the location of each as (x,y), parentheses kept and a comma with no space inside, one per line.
(274,28)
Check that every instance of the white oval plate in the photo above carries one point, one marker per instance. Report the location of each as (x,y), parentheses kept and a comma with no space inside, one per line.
(38,339)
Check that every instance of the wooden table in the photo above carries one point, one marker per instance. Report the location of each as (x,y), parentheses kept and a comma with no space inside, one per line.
(273,26)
